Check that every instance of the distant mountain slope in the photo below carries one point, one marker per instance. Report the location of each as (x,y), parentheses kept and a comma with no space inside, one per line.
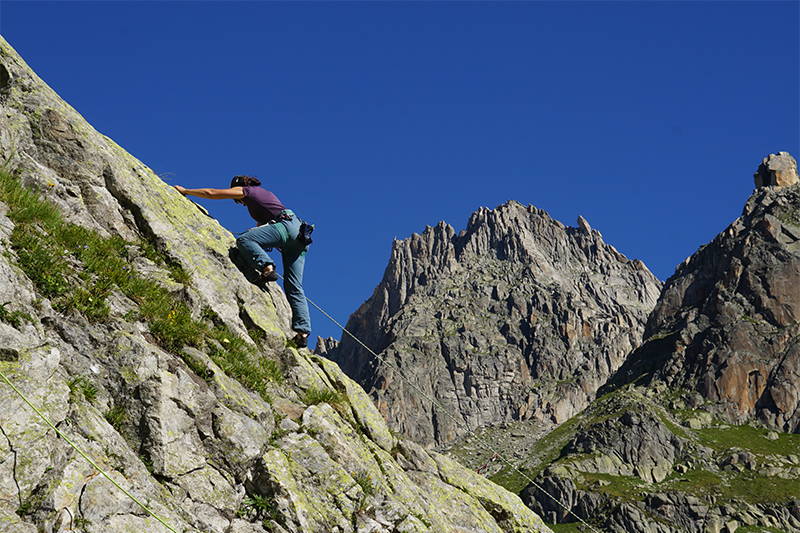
(123,318)
(516,318)
(699,431)
(728,321)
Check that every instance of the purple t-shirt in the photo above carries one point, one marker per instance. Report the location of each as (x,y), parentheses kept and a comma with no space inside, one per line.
(262,204)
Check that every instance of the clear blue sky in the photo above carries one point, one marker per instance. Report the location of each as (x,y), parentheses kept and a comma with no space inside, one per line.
(374,120)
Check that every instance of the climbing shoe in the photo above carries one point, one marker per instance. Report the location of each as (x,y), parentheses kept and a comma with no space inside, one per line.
(301,340)
(268,275)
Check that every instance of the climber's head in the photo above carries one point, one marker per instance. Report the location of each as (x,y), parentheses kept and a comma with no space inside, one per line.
(244,181)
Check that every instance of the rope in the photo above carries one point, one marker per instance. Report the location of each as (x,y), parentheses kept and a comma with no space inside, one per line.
(82,454)
(483,443)
(344,329)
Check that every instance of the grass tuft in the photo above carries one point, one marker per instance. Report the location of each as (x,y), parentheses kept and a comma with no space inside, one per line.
(116,416)
(13,318)
(78,269)
(363,480)
(197,366)
(314,396)
(258,508)
(240,360)
(81,386)
(81,523)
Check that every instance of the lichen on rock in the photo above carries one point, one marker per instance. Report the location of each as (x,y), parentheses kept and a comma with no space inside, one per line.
(211,431)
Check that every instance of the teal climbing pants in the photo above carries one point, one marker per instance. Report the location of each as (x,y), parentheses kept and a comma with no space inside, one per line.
(283,236)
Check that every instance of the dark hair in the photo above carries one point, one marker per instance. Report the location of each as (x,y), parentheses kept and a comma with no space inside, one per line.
(245,181)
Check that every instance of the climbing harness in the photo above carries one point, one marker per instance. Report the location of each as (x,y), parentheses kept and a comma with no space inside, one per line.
(483,443)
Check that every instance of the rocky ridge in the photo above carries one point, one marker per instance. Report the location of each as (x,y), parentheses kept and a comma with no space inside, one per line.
(516,318)
(123,317)
(698,430)
(657,460)
(728,321)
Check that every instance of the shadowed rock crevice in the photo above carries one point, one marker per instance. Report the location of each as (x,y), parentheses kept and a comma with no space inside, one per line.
(13,453)
(5,80)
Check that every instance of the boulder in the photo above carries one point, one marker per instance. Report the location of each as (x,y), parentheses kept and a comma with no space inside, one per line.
(777,170)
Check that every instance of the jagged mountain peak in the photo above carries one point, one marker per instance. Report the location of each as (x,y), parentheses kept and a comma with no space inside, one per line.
(515,317)
(511,232)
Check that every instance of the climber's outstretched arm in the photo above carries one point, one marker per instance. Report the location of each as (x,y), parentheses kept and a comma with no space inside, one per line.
(234,193)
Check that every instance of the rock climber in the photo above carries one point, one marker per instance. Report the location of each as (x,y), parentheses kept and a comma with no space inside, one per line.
(279,228)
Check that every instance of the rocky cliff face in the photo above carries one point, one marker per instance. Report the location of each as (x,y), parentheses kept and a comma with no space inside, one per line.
(728,322)
(124,319)
(700,430)
(656,460)
(516,318)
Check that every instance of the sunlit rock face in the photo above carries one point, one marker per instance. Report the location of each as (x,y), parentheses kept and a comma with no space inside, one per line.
(728,320)
(697,431)
(518,317)
(185,391)
(777,170)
